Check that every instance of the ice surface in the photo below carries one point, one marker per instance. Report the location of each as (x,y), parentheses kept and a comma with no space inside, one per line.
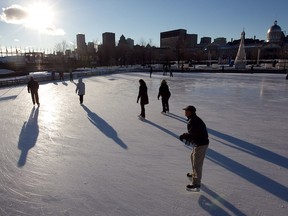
(65,159)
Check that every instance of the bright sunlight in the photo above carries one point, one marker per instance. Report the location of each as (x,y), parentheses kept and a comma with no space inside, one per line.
(40,17)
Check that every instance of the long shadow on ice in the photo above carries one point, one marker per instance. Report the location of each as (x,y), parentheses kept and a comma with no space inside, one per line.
(104,127)
(212,207)
(249,174)
(177,117)
(252,149)
(28,136)
(8,98)
(162,128)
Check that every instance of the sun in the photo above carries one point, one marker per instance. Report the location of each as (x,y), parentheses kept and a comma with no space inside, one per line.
(40,16)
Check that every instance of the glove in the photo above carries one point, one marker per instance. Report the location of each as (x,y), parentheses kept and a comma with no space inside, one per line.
(184,136)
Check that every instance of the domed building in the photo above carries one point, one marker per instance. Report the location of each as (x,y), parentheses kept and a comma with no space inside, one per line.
(275,34)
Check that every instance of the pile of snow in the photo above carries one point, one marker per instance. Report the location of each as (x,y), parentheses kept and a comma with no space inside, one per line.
(6,71)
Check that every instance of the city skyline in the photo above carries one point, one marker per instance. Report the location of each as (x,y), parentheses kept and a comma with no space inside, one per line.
(44,23)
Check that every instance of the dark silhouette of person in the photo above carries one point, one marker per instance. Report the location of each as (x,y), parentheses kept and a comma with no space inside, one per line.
(165,94)
(143,96)
(71,76)
(33,87)
(61,76)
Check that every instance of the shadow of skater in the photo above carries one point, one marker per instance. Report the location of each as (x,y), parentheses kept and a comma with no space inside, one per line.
(174,116)
(163,129)
(213,208)
(251,149)
(258,179)
(28,136)
(104,127)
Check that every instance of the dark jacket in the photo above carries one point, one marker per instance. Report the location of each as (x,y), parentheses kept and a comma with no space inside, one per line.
(197,131)
(143,95)
(33,85)
(164,91)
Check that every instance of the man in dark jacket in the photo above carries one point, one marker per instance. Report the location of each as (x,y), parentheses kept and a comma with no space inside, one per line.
(33,87)
(198,136)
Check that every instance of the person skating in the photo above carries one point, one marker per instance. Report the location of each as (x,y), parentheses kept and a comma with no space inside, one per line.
(143,96)
(198,136)
(80,88)
(33,87)
(165,94)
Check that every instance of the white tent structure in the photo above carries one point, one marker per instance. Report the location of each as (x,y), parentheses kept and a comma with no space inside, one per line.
(240,60)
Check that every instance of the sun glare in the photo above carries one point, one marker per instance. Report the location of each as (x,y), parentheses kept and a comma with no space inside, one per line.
(40,16)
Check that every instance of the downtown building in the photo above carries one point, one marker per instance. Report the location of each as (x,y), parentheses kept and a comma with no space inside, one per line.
(177,38)
(81,49)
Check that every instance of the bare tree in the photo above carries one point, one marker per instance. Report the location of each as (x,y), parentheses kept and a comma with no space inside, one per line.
(61,47)
(142,42)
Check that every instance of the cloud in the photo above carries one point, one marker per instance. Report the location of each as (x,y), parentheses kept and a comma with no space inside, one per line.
(14,14)
(20,15)
(53,31)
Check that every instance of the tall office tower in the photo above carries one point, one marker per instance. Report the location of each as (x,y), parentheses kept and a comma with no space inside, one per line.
(108,39)
(130,42)
(81,44)
(91,47)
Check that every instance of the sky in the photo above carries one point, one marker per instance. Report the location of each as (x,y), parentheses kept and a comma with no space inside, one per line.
(41,24)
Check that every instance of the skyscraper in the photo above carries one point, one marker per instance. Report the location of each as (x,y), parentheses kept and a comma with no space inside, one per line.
(108,39)
(81,44)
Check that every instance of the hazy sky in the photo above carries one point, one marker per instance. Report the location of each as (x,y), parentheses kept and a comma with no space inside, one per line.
(44,23)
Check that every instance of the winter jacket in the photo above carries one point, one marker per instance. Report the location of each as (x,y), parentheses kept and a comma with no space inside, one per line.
(80,87)
(32,85)
(164,91)
(143,95)
(197,131)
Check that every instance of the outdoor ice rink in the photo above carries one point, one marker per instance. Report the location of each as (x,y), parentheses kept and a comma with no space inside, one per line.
(64,159)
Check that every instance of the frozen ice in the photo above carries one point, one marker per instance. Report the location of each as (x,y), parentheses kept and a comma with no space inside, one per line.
(99,159)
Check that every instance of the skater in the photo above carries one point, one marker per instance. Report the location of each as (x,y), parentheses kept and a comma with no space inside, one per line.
(197,135)
(170,71)
(71,76)
(53,75)
(81,90)
(143,96)
(151,71)
(33,87)
(165,95)
(61,76)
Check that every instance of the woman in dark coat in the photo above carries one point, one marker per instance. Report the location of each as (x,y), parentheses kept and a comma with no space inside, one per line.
(165,95)
(143,96)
